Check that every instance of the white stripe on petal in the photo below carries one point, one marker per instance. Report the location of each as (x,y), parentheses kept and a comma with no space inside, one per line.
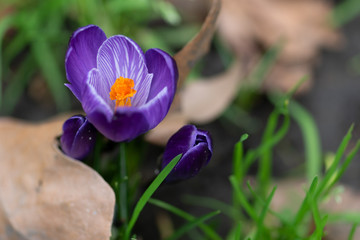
(119,56)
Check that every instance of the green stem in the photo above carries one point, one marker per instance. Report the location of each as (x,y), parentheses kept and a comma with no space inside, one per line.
(97,153)
(122,191)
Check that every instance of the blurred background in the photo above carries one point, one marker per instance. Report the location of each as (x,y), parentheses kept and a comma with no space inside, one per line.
(275,43)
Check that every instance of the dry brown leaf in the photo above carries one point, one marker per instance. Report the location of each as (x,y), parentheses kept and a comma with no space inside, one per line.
(199,45)
(206,99)
(45,194)
(301,26)
(171,124)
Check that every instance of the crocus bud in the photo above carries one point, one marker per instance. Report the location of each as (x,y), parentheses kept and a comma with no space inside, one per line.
(196,148)
(78,137)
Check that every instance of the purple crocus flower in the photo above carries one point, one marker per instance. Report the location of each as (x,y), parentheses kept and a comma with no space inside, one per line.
(195,145)
(78,137)
(123,91)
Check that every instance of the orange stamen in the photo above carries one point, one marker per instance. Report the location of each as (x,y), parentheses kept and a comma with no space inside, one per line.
(121,91)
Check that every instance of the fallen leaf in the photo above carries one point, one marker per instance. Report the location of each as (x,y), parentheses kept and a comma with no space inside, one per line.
(303,28)
(205,99)
(171,124)
(199,45)
(45,194)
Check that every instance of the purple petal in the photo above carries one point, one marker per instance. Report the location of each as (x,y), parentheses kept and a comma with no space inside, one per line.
(205,136)
(190,163)
(127,123)
(93,99)
(81,56)
(124,126)
(119,56)
(163,66)
(179,143)
(78,137)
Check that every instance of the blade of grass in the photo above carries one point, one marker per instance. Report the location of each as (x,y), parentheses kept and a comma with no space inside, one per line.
(16,87)
(344,166)
(332,170)
(191,224)
(311,138)
(148,193)
(313,203)
(55,80)
(260,222)
(238,158)
(345,12)
(238,231)
(4,25)
(262,202)
(264,171)
(304,205)
(252,155)
(205,228)
(241,198)
(214,204)
(352,231)
(346,217)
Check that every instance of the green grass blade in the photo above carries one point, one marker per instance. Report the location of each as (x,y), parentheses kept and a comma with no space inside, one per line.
(264,173)
(304,206)
(311,139)
(260,222)
(238,231)
(344,166)
(346,217)
(4,25)
(241,199)
(263,203)
(251,156)
(191,224)
(345,12)
(205,228)
(53,76)
(17,86)
(148,193)
(214,204)
(333,168)
(238,158)
(352,231)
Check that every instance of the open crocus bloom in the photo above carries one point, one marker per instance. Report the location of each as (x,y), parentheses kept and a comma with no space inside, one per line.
(123,91)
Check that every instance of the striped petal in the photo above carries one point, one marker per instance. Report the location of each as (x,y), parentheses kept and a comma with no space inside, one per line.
(119,56)
(81,56)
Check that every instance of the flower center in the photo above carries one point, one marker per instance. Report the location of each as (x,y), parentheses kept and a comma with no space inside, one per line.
(121,91)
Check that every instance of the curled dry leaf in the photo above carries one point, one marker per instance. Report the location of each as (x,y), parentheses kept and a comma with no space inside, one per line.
(199,45)
(302,27)
(43,193)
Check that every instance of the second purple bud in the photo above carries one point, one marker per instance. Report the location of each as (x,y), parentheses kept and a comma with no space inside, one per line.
(195,145)
(78,137)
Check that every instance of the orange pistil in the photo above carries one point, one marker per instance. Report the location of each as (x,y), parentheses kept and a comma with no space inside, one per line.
(121,91)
